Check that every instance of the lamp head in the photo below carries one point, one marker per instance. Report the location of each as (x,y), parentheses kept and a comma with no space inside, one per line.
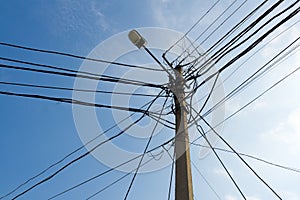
(136,39)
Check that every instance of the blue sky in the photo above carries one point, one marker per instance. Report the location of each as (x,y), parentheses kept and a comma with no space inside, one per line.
(35,133)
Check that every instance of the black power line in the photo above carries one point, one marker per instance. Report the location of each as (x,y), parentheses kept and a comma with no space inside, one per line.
(201,131)
(256,31)
(218,27)
(145,150)
(98,176)
(248,166)
(250,102)
(194,25)
(203,32)
(73,152)
(78,72)
(171,174)
(83,103)
(75,56)
(110,170)
(250,156)
(85,154)
(79,90)
(102,78)
(248,49)
(227,18)
(258,73)
(230,32)
(74,101)
(242,154)
(242,64)
(217,56)
(260,39)
(205,180)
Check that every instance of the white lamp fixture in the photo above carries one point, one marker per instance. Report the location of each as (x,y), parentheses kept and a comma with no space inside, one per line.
(136,39)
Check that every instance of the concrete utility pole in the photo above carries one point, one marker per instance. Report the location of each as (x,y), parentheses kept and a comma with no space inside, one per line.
(183,173)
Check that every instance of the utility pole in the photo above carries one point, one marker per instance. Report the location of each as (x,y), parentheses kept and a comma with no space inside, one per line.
(183,173)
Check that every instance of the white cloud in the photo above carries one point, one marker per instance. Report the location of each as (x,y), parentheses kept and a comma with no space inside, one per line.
(253,198)
(233,105)
(162,13)
(73,16)
(257,105)
(101,19)
(281,41)
(231,197)
(174,15)
(222,172)
(287,133)
(290,195)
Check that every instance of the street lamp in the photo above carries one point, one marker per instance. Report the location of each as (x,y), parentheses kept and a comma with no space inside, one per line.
(137,39)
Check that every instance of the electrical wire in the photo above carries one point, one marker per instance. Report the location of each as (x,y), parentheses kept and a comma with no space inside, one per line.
(210,93)
(145,150)
(167,123)
(83,155)
(99,175)
(109,170)
(217,28)
(249,48)
(204,31)
(79,90)
(206,100)
(194,25)
(252,101)
(74,101)
(217,56)
(103,78)
(212,128)
(201,131)
(256,31)
(231,31)
(242,64)
(108,186)
(151,114)
(205,180)
(258,73)
(73,152)
(245,107)
(75,56)
(248,59)
(293,71)
(247,165)
(205,114)
(260,39)
(171,174)
(252,157)
(78,72)
(220,25)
